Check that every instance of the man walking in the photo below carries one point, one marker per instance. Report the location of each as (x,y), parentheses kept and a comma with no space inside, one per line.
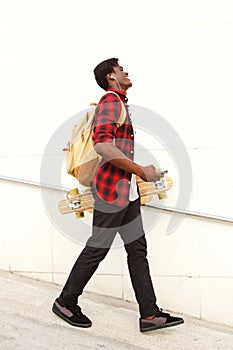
(116,207)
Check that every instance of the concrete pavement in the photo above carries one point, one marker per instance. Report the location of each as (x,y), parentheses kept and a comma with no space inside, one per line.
(26,322)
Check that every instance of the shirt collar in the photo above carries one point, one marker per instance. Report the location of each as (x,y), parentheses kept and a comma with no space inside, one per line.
(122,93)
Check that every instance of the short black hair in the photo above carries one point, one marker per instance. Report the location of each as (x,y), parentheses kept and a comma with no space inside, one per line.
(104,68)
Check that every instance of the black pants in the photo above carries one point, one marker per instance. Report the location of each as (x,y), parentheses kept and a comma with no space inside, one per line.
(107,221)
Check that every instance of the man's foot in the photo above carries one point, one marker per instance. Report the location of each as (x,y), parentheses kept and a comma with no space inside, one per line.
(72,314)
(161,320)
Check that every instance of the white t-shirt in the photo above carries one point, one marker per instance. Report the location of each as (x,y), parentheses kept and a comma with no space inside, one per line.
(133,191)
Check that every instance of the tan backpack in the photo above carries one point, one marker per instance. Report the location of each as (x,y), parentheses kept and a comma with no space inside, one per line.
(82,161)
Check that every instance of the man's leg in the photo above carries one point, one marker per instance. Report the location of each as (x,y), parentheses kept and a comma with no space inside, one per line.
(133,235)
(88,261)
(105,227)
(140,277)
(152,317)
(83,269)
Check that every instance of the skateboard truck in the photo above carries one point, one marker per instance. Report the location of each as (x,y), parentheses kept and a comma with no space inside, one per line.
(75,203)
(161,184)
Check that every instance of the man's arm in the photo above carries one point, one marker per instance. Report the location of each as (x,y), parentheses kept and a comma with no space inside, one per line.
(117,158)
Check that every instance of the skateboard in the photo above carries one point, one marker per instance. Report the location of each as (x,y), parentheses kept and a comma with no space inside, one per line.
(77,203)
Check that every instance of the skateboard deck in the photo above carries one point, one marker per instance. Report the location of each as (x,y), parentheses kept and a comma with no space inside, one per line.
(79,202)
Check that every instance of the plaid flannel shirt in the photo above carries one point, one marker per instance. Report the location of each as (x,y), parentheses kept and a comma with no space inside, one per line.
(112,184)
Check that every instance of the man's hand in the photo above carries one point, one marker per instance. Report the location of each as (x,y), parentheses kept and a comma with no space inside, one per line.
(149,174)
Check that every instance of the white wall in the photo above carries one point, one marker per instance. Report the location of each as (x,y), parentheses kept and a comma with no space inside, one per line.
(191,269)
(179,57)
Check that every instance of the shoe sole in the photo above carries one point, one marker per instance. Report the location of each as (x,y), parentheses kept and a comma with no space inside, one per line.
(153,328)
(75,324)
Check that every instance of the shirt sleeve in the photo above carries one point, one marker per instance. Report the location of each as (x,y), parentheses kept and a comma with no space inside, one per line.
(106,118)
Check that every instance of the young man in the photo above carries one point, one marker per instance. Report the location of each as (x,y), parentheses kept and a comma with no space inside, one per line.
(116,208)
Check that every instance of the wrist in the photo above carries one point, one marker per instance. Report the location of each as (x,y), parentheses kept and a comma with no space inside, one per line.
(139,170)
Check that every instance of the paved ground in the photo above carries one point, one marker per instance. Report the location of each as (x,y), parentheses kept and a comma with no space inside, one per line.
(26,322)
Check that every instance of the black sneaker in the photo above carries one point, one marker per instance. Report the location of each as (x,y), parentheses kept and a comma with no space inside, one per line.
(161,320)
(72,314)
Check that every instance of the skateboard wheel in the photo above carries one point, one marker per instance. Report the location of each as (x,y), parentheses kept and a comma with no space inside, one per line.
(162,195)
(73,192)
(79,215)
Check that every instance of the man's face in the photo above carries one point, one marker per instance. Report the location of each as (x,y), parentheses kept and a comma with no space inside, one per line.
(122,77)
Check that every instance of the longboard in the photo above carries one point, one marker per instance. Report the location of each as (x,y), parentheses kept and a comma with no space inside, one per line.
(79,202)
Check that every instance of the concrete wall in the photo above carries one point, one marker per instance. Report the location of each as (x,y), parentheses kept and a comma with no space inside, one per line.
(179,57)
(192,268)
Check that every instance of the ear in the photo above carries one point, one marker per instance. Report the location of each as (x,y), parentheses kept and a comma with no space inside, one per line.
(111,76)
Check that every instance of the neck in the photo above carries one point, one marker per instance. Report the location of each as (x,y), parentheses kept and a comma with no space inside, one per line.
(117,86)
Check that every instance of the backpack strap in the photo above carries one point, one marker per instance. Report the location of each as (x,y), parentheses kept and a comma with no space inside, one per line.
(123,113)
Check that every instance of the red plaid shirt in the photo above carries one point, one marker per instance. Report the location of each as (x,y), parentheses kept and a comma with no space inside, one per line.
(112,184)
